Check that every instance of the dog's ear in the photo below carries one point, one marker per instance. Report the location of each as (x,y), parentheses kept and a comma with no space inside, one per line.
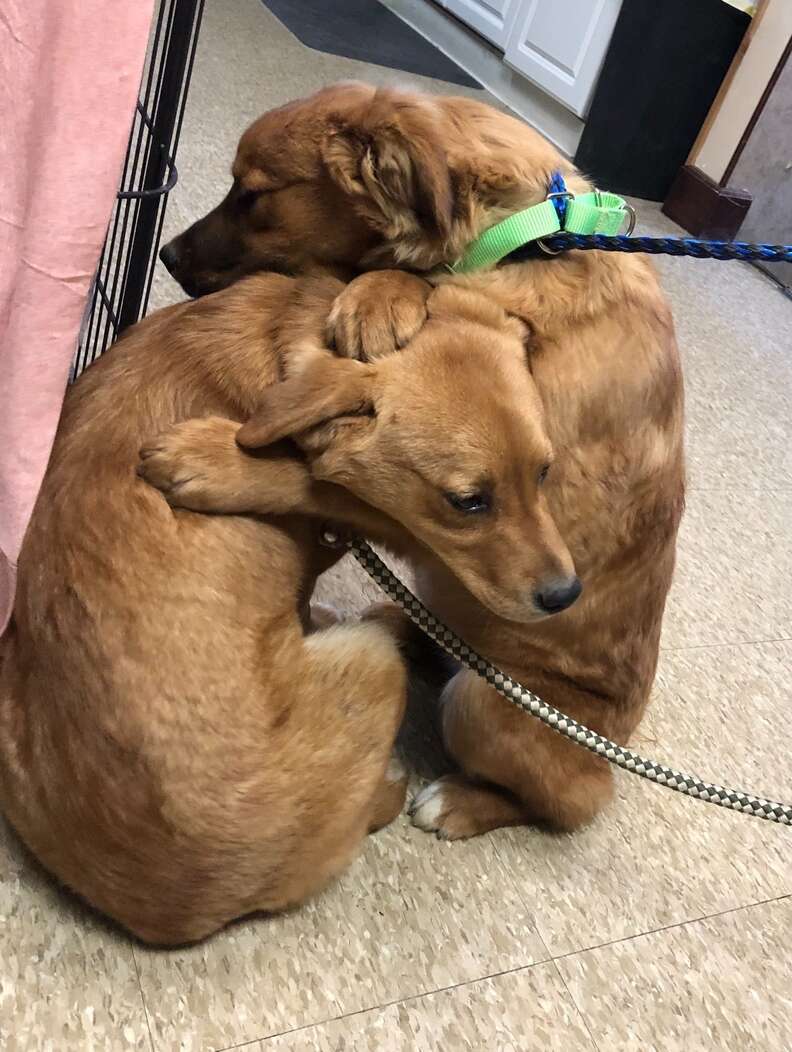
(388,154)
(329,389)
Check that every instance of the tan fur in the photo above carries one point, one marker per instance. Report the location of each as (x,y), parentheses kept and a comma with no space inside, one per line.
(172,746)
(421,178)
(381,432)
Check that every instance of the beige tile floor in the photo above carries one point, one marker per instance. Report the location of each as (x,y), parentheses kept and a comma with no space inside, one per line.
(665,926)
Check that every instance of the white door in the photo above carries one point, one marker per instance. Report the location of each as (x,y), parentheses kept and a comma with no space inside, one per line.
(560,45)
(491,18)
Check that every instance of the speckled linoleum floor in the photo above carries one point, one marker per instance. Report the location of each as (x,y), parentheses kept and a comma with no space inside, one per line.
(666,925)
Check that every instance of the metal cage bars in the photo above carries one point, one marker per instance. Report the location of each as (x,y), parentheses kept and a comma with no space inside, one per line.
(121,286)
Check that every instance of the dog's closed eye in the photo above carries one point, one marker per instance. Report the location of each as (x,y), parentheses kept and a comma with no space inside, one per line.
(470,503)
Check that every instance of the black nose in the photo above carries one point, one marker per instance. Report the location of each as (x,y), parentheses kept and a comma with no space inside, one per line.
(558,594)
(169,256)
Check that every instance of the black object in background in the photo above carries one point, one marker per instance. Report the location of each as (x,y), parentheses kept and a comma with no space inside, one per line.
(662,72)
(367,31)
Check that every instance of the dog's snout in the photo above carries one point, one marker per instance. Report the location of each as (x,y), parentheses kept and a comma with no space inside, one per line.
(169,255)
(557,594)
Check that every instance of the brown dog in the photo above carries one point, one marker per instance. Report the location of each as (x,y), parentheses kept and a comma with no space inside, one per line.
(172,745)
(391,435)
(358,177)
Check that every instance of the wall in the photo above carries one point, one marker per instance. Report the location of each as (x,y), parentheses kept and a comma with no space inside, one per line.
(732,110)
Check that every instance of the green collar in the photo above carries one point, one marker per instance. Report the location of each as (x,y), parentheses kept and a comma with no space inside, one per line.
(598,212)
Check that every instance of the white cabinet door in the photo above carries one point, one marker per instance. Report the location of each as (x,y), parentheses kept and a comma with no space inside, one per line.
(560,45)
(491,18)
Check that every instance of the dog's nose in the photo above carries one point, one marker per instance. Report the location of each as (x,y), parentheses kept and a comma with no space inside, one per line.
(556,595)
(169,256)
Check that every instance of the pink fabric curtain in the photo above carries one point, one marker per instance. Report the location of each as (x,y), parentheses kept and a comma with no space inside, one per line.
(69,77)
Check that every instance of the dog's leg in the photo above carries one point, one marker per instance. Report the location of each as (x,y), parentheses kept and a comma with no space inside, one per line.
(455,807)
(516,770)
(377,314)
(198,465)
(352,697)
(424,657)
(324,778)
(389,798)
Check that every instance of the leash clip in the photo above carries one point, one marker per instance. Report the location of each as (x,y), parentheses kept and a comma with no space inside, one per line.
(559,193)
(549,251)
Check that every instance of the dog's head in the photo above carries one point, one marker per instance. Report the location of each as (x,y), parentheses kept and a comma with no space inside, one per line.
(355,176)
(446,438)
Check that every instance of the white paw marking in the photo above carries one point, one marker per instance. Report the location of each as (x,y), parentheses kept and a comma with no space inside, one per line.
(395,771)
(428,807)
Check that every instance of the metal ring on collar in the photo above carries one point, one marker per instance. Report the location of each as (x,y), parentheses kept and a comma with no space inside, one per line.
(632,219)
(549,251)
(569,195)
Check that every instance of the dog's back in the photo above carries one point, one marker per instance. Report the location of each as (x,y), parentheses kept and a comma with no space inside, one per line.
(140,691)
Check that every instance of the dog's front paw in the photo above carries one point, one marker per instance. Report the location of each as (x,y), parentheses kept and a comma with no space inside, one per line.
(189,463)
(453,808)
(377,314)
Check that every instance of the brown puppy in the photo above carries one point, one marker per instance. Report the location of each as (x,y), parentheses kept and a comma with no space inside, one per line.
(172,745)
(472,494)
(416,179)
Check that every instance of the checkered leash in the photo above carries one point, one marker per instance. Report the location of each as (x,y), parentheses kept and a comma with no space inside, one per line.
(530,703)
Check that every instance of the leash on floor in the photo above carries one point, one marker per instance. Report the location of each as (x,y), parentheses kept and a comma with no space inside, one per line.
(530,703)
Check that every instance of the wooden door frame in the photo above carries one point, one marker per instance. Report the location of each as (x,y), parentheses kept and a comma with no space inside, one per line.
(757,113)
(696,201)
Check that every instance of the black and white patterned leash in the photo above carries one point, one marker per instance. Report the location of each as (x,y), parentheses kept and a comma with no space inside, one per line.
(528,702)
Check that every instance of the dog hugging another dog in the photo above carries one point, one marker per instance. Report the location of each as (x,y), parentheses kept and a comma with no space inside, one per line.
(183,738)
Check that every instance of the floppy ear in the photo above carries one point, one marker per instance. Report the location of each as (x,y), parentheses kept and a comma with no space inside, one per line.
(389,155)
(331,388)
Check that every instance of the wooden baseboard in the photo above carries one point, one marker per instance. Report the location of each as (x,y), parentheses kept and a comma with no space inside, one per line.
(703,208)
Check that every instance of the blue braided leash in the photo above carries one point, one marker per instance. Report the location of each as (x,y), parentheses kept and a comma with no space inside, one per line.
(665,246)
(672,246)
